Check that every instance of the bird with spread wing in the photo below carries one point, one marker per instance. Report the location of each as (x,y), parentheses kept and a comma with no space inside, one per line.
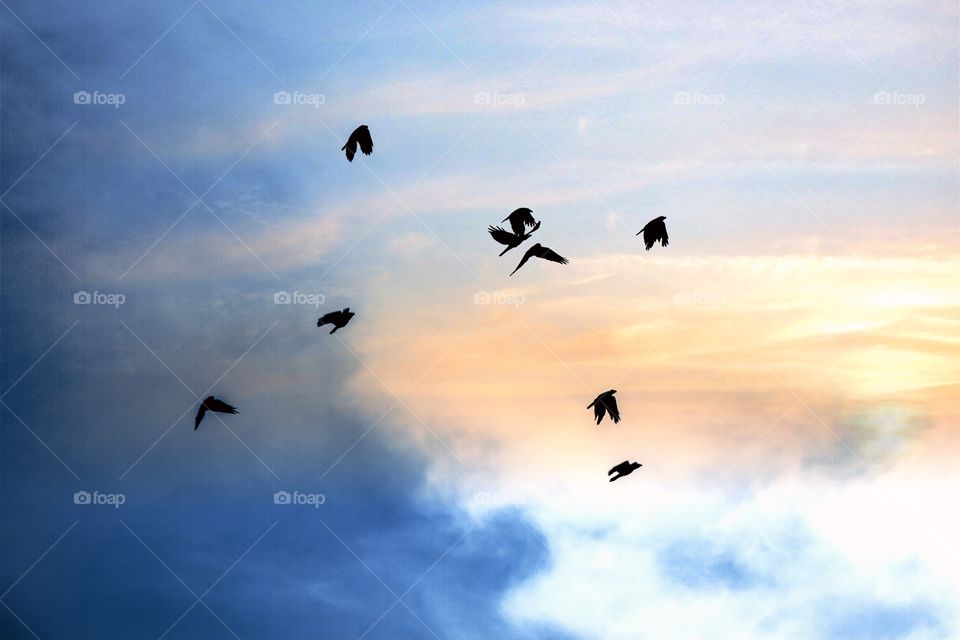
(540,251)
(603,404)
(655,231)
(360,136)
(212,404)
(338,319)
(511,240)
(520,219)
(625,468)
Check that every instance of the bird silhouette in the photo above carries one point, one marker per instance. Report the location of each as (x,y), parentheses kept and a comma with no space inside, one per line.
(338,319)
(212,404)
(540,251)
(655,231)
(520,219)
(625,468)
(605,403)
(512,240)
(361,136)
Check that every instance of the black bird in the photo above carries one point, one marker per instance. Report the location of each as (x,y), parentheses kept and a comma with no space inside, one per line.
(655,231)
(625,468)
(520,219)
(512,240)
(605,403)
(212,404)
(338,319)
(361,136)
(540,251)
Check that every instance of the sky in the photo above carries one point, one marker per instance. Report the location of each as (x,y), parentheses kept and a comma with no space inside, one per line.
(787,368)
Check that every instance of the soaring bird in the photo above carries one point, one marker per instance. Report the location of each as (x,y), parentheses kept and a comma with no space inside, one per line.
(625,468)
(520,219)
(655,231)
(338,319)
(512,240)
(361,136)
(605,403)
(540,251)
(212,404)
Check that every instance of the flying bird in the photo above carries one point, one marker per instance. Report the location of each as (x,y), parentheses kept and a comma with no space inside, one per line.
(361,136)
(605,403)
(212,404)
(625,468)
(540,251)
(655,231)
(338,319)
(512,240)
(520,219)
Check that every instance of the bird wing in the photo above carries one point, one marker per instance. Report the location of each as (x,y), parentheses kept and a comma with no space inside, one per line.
(523,261)
(350,147)
(612,407)
(200,414)
(551,255)
(501,235)
(620,468)
(526,216)
(363,137)
(598,411)
(221,407)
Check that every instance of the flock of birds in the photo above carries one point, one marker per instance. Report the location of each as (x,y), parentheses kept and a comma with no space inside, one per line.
(522,227)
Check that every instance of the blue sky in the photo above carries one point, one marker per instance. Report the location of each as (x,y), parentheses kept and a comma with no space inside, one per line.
(786,366)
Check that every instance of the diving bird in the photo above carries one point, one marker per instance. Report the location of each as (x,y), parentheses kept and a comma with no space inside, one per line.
(605,403)
(540,251)
(361,136)
(512,240)
(625,468)
(520,219)
(212,404)
(338,319)
(655,231)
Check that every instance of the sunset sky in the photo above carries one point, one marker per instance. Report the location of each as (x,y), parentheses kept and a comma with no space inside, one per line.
(787,368)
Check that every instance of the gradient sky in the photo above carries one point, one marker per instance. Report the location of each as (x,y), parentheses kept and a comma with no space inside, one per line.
(787,368)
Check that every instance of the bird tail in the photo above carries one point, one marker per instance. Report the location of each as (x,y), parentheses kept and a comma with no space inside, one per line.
(504,251)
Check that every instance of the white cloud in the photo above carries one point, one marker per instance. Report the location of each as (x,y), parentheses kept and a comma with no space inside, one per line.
(794,560)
